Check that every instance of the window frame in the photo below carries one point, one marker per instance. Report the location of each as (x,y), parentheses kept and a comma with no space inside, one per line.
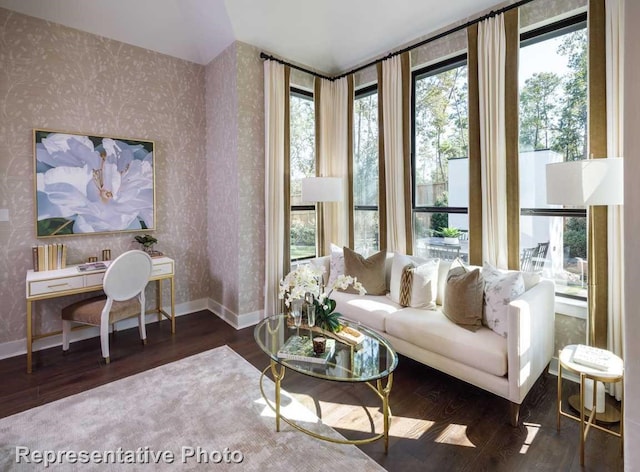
(433,69)
(304,94)
(537,35)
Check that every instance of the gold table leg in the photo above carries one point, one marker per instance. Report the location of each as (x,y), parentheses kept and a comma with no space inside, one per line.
(29,337)
(278,375)
(384,394)
(173,307)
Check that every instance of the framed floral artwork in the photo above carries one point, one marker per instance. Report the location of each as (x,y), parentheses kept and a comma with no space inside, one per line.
(88,184)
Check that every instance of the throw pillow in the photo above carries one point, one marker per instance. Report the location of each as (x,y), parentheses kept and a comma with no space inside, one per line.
(425,280)
(369,271)
(406,281)
(464,292)
(500,287)
(336,264)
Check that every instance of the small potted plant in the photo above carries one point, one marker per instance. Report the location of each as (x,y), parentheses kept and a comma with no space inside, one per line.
(450,235)
(147,242)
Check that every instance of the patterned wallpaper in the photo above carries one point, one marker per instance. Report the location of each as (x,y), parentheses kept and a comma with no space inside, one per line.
(235,165)
(56,77)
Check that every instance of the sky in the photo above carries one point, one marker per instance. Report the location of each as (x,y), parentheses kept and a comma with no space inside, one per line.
(541,57)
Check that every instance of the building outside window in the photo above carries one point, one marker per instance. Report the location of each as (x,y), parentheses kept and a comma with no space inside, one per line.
(302,164)
(553,128)
(365,171)
(440,159)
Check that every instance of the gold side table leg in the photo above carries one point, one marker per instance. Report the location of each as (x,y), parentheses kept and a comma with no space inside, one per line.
(384,393)
(559,401)
(278,375)
(159,299)
(582,428)
(29,338)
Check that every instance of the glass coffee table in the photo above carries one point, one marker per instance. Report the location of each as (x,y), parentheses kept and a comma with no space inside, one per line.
(371,362)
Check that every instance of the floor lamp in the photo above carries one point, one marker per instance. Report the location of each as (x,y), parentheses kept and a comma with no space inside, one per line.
(320,190)
(587,182)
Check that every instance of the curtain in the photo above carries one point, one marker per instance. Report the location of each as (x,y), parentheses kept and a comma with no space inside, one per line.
(333,140)
(491,85)
(394,97)
(615,241)
(276,92)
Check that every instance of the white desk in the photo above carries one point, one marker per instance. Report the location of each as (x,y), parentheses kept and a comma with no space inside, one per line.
(69,281)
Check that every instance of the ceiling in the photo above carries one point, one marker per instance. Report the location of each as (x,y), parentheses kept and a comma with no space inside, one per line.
(330,36)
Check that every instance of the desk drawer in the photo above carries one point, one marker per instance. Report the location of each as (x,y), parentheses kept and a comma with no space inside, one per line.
(55,285)
(162,269)
(94,280)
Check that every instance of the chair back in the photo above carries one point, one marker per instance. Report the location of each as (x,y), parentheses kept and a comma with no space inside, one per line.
(127,275)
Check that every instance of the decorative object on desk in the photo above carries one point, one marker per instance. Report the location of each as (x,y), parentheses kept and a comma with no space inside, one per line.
(92,259)
(298,348)
(147,242)
(106,254)
(91,266)
(450,235)
(308,278)
(92,184)
(49,257)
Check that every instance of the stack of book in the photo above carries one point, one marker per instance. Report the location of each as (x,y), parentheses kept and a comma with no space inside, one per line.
(49,257)
(298,348)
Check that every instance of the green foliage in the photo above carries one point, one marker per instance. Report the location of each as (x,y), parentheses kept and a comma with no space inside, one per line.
(440,220)
(575,237)
(538,108)
(365,156)
(147,240)
(449,232)
(327,318)
(302,234)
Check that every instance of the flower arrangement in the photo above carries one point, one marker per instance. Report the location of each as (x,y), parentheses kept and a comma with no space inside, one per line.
(308,278)
(147,241)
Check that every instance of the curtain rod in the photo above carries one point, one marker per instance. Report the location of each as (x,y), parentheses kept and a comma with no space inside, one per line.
(455,29)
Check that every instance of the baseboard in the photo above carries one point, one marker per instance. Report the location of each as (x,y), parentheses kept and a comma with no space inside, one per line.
(237,321)
(18,347)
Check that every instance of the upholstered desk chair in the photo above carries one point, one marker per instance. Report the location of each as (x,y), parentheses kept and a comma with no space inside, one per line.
(123,284)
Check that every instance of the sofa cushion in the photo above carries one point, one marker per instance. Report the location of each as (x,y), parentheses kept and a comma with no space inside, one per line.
(500,287)
(433,331)
(336,264)
(370,310)
(424,280)
(463,299)
(370,272)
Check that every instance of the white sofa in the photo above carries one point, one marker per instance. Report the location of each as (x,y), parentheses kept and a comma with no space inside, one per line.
(507,367)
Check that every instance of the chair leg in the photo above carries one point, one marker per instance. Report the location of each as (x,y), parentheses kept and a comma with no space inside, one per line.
(66,329)
(104,340)
(141,319)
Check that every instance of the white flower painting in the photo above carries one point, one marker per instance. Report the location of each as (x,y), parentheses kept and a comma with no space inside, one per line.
(93,184)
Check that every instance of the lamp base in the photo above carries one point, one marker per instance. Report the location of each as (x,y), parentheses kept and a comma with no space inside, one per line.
(611,413)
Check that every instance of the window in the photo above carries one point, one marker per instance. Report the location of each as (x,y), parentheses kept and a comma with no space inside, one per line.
(365,171)
(440,158)
(302,164)
(553,128)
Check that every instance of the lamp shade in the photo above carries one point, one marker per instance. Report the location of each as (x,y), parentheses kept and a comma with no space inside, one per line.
(322,189)
(586,182)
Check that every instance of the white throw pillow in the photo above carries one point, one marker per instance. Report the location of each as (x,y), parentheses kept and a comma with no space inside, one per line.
(336,264)
(500,288)
(424,280)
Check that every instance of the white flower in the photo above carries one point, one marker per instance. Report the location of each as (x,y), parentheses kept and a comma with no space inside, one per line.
(305,278)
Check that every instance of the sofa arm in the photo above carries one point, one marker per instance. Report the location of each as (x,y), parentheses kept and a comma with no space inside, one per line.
(530,341)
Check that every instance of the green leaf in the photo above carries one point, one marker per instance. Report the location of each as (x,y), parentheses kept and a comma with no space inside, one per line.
(55,227)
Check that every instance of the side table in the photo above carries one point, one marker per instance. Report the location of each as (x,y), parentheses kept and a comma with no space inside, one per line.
(613,374)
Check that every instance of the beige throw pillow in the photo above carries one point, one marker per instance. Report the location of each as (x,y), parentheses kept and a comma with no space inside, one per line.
(463,299)
(369,272)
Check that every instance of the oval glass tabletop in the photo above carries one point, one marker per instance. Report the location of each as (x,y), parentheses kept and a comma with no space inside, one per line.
(372,358)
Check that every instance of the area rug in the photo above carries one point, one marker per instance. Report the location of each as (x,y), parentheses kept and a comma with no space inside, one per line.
(204,412)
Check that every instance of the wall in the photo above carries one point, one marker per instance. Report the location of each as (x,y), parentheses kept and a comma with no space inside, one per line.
(631,231)
(235,166)
(56,77)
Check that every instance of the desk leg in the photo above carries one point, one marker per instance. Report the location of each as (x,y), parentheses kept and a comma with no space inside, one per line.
(559,401)
(159,299)
(173,307)
(29,337)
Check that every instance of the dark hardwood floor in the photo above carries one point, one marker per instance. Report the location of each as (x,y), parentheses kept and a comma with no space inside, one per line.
(439,423)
